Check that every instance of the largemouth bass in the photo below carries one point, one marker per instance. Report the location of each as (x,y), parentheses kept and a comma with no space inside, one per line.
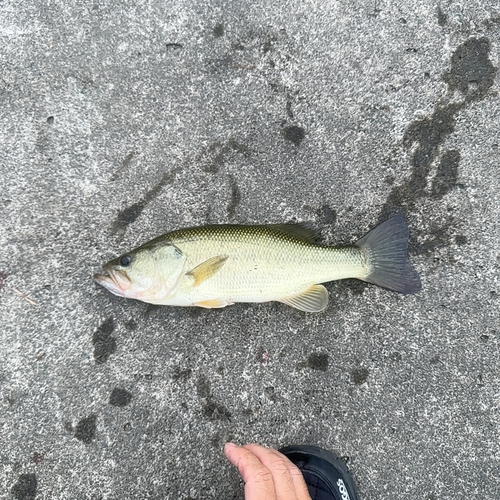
(216,266)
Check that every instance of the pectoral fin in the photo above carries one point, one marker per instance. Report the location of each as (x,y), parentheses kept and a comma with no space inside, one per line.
(314,299)
(213,304)
(207,269)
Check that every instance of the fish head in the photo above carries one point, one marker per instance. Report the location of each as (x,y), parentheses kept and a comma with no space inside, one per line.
(149,273)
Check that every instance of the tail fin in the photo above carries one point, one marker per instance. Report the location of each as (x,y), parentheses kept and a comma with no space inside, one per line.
(386,249)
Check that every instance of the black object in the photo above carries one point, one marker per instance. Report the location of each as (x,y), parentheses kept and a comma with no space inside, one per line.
(326,476)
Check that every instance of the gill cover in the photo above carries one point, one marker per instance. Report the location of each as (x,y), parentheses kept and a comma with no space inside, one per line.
(168,262)
(149,273)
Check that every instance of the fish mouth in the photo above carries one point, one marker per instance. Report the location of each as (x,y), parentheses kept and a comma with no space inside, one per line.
(114,280)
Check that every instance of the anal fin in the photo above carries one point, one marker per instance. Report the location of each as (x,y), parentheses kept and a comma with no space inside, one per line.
(213,304)
(314,299)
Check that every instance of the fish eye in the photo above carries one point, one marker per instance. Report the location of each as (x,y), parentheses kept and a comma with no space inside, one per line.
(125,260)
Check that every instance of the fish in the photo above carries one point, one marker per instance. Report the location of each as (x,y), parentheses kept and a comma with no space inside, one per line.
(216,266)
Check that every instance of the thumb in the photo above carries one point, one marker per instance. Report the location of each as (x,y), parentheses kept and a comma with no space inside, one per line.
(258,479)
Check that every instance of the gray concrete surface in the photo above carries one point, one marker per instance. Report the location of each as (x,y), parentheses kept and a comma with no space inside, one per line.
(121,120)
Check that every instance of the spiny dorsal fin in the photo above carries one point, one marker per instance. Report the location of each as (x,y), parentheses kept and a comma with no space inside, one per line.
(314,299)
(207,269)
(303,231)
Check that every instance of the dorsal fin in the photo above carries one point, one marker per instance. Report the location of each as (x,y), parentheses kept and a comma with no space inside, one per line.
(303,230)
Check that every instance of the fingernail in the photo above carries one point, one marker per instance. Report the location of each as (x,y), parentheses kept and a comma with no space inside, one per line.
(231,445)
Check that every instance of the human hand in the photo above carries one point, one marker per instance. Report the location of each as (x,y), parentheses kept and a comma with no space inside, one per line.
(268,474)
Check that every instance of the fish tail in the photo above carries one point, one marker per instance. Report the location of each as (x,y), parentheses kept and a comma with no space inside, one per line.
(386,250)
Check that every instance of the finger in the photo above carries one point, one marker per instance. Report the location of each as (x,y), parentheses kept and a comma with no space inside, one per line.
(299,483)
(298,480)
(280,468)
(258,479)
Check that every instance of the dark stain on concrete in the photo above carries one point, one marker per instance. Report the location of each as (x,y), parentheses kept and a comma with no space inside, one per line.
(492,22)
(50,120)
(210,408)
(25,487)
(3,279)
(389,179)
(328,215)
(104,342)
(355,286)
(181,375)
(437,234)
(271,394)
(396,356)
(294,134)
(218,30)
(237,46)
(37,458)
(125,163)
(151,310)
(173,48)
(130,214)
(315,361)
(360,376)
(212,159)
(460,239)
(216,440)
(268,43)
(86,429)
(215,411)
(44,143)
(120,397)
(10,399)
(428,134)
(235,197)
(442,17)
(131,325)
(472,74)
(203,387)
(447,174)
(435,360)
(221,65)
